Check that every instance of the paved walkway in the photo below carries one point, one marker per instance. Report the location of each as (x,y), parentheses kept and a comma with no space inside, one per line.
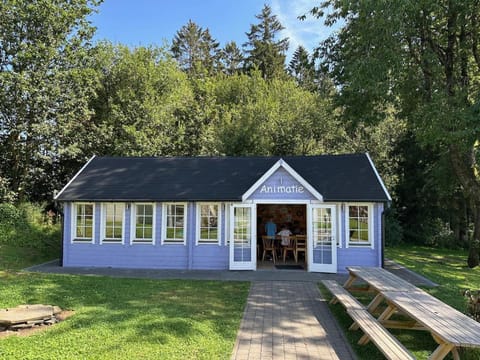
(53,267)
(289,320)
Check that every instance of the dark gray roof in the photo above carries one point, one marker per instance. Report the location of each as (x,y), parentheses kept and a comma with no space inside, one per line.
(350,177)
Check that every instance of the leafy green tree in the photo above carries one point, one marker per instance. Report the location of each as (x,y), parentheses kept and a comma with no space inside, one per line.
(195,49)
(273,117)
(44,85)
(264,51)
(423,58)
(141,96)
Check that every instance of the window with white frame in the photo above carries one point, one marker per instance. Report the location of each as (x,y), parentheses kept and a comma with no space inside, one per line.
(143,218)
(359,225)
(113,222)
(83,217)
(208,223)
(174,227)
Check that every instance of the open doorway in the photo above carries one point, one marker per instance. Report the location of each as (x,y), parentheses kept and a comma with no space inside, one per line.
(290,217)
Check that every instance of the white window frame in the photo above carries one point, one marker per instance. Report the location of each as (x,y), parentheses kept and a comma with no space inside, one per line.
(164,240)
(198,240)
(338,211)
(371,242)
(133,225)
(226,207)
(103,222)
(74,239)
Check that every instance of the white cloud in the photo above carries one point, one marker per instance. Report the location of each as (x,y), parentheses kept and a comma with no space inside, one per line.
(308,33)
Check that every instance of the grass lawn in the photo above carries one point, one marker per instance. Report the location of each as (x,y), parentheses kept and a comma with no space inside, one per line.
(126,318)
(445,267)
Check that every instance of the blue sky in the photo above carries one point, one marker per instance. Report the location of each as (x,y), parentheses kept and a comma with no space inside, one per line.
(146,22)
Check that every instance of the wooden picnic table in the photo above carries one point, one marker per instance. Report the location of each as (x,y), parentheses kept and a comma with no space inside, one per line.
(449,327)
(379,279)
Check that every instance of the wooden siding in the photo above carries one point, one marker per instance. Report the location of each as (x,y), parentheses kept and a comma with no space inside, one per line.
(191,256)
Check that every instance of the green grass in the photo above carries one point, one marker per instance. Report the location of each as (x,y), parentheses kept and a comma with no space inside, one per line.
(126,318)
(114,318)
(445,267)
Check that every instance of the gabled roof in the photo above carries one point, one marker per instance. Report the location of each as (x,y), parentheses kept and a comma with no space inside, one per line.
(350,177)
(282,164)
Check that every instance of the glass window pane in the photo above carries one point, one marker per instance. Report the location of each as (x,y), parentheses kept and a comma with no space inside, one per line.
(210,220)
(179,233)
(148,210)
(148,221)
(88,209)
(148,233)
(179,211)
(358,224)
(140,210)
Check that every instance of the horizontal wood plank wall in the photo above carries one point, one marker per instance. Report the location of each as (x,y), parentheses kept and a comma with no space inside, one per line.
(157,256)
(190,256)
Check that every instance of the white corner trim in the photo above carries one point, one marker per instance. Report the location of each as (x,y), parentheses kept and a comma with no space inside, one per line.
(378,177)
(74,177)
(291,171)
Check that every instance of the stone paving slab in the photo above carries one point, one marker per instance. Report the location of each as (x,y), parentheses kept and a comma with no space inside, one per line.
(289,320)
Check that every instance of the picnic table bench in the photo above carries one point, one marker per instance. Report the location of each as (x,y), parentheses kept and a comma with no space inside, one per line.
(449,327)
(373,330)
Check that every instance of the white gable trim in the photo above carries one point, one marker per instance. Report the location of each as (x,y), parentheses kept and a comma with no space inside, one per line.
(76,175)
(378,177)
(282,163)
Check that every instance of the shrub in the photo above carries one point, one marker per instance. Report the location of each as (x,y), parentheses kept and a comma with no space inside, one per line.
(393,229)
(25,226)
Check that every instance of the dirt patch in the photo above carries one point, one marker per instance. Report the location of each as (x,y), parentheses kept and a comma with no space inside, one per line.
(38,328)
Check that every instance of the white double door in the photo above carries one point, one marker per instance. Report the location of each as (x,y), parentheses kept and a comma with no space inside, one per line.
(321,237)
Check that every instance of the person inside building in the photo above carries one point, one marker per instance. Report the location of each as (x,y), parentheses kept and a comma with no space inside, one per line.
(270,227)
(284,235)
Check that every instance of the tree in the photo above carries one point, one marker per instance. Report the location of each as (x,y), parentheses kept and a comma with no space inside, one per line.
(195,49)
(302,68)
(142,98)
(231,58)
(423,58)
(44,85)
(263,50)
(273,117)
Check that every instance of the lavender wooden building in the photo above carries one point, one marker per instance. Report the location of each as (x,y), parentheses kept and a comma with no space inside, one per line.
(209,212)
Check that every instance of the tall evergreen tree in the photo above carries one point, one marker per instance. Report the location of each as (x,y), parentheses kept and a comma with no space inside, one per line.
(231,58)
(195,49)
(263,49)
(302,68)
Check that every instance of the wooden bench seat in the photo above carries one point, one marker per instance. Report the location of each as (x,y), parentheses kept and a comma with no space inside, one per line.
(374,331)
(371,328)
(342,295)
